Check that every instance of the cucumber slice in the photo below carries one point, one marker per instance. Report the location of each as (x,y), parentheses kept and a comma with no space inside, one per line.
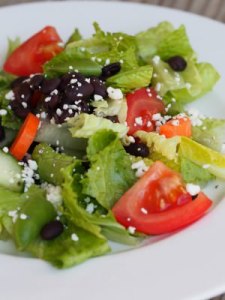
(10,173)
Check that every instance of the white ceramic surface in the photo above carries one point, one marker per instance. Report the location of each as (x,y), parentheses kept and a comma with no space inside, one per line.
(187,265)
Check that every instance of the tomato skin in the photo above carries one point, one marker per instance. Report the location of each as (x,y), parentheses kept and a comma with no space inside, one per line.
(179,209)
(30,56)
(142,103)
(182,128)
(164,222)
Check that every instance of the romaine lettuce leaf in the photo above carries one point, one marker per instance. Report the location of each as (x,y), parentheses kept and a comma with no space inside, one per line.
(149,40)
(72,60)
(131,79)
(203,156)
(211,133)
(86,213)
(85,125)
(158,143)
(50,163)
(64,252)
(194,173)
(110,174)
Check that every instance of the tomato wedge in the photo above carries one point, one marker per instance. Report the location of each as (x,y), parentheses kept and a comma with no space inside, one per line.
(25,136)
(141,106)
(178,126)
(29,57)
(133,208)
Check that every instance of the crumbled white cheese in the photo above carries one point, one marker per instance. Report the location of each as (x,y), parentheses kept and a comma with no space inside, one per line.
(48,99)
(54,92)
(156,59)
(10,95)
(74,237)
(90,208)
(175,122)
(131,229)
(139,121)
(115,94)
(98,97)
(140,166)
(144,211)
(53,194)
(206,166)
(3,112)
(13,214)
(5,149)
(193,189)
(107,62)
(188,85)
(195,117)
(23,217)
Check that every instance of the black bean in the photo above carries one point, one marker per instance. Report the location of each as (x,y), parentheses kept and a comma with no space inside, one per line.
(51,102)
(137,149)
(85,107)
(22,92)
(177,63)
(19,110)
(99,87)
(110,70)
(49,85)
(86,164)
(2,133)
(114,119)
(18,81)
(74,92)
(51,230)
(65,80)
(59,119)
(36,80)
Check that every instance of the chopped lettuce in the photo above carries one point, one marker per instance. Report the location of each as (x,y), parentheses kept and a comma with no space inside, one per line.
(201,79)
(50,163)
(203,156)
(84,126)
(159,144)
(72,60)
(149,40)
(12,45)
(131,79)
(194,173)
(74,37)
(110,174)
(211,133)
(64,252)
(10,201)
(165,41)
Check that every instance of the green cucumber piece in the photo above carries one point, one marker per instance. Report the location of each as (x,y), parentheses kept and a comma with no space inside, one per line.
(10,173)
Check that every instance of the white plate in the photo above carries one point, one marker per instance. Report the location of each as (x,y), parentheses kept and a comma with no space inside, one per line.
(187,265)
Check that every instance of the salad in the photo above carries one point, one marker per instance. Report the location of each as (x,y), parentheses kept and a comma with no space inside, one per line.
(97,143)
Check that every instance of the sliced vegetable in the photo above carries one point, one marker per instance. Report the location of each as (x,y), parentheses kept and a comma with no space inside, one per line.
(25,136)
(29,57)
(10,175)
(164,222)
(178,126)
(142,105)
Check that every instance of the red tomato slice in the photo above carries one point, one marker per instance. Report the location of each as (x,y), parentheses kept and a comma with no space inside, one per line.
(29,57)
(142,104)
(178,126)
(133,208)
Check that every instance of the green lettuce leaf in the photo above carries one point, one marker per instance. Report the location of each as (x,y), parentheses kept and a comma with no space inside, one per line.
(131,79)
(85,125)
(110,174)
(211,133)
(194,173)
(12,45)
(63,252)
(74,37)
(203,156)
(70,61)
(98,220)
(149,40)
(50,163)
